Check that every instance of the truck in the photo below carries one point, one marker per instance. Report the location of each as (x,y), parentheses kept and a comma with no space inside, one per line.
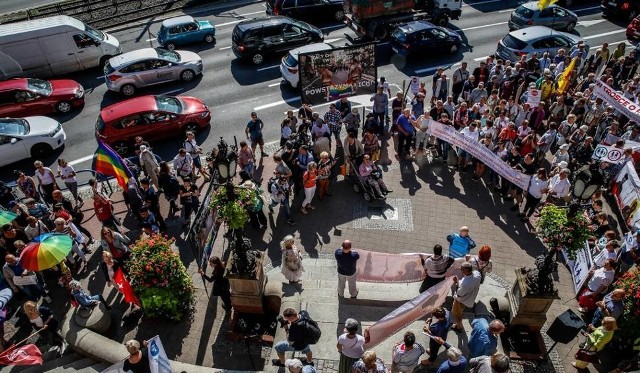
(376,19)
(56,45)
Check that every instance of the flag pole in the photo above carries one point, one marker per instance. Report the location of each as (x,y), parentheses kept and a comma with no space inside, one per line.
(15,345)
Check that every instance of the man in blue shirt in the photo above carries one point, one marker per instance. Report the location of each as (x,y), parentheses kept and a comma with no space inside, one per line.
(460,244)
(406,126)
(484,337)
(455,363)
(347,259)
(439,328)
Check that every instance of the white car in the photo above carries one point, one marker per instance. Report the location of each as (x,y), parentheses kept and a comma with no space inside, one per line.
(29,137)
(289,64)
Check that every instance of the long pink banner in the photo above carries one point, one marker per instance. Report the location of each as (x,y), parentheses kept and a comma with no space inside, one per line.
(382,267)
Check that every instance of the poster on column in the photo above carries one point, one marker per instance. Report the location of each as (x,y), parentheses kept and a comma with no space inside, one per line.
(330,74)
(479,151)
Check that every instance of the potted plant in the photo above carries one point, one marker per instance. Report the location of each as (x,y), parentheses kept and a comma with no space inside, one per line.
(160,279)
(629,322)
(561,228)
(231,204)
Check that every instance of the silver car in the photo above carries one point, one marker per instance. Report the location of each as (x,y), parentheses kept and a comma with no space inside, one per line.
(538,39)
(553,16)
(127,72)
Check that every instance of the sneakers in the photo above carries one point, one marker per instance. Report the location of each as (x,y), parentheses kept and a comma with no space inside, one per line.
(291,222)
(355,296)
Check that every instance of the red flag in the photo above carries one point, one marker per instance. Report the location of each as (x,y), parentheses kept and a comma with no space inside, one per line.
(125,288)
(25,355)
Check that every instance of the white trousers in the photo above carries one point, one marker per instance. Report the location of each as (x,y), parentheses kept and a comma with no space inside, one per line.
(342,279)
(308,196)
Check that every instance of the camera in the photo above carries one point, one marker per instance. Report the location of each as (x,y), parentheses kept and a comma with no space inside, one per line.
(282,321)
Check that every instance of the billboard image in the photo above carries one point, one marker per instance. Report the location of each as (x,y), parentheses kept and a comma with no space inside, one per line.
(328,75)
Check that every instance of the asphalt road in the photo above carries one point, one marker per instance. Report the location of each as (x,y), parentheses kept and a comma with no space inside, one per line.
(233,88)
(9,6)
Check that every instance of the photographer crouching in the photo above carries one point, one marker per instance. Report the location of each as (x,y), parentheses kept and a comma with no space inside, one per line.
(301,330)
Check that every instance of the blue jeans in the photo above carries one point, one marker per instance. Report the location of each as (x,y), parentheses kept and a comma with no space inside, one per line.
(596,321)
(284,346)
(249,168)
(285,204)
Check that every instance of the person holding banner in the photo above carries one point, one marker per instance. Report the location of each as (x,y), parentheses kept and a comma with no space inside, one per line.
(138,360)
(465,292)
(406,126)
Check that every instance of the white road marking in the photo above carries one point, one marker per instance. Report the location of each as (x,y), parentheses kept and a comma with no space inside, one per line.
(278,103)
(604,34)
(615,43)
(426,70)
(80,160)
(381,44)
(152,39)
(275,84)
(223,48)
(590,23)
(482,2)
(483,26)
(506,10)
(173,91)
(267,68)
(332,27)
(229,23)
(589,8)
(481,58)
(332,40)
(100,77)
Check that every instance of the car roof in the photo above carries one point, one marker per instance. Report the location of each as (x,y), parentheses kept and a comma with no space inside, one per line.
(133,56)
(176,21)
(533,33)
(125,108)
(416,26)
(18,83)
(533,5)
(315,47)
(267,21)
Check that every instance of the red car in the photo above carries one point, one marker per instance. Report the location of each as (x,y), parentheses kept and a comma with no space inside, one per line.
(152,117)
(27,97)
(633,30)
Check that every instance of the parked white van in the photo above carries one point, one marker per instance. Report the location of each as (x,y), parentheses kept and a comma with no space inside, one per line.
(56,45)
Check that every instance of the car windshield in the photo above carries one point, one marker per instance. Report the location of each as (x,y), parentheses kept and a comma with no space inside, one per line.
(169,104)
(399,35)
(14,127)
(97,34)
(513,42)
(524,12)
(41,87)
(304,25)
(168,55)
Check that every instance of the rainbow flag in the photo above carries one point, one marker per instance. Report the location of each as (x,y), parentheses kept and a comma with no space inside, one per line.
(107,162)
(565,78)
(545,3)
(339,90)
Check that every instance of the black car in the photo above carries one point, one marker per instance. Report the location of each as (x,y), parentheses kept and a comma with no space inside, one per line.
(425,38)
(306,9)
(628,9)
(254,39)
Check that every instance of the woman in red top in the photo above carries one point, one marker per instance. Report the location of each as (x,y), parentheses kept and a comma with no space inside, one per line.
(309,181)
(115,243)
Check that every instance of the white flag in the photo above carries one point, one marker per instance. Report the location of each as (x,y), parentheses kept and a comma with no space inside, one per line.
(158,360)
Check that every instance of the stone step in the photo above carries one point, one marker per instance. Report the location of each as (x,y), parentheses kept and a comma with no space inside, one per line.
(74,366)
(50,364)
(96,368)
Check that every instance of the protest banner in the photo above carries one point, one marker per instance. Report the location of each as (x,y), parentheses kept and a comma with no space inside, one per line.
(625,106)
(579,267)
(609,154)
(330,74)
(481,152)
(383,267)
(533,98)
(626,189)
(158,360)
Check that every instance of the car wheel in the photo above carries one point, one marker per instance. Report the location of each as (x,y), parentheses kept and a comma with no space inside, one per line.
(128,90)
(442,20)
(454,49)
(339,15)
(209,38)
(257,59)
(103,61)
(187,75)
(381,33)
(190,127)
(121,147)
(39,151)
(570,26)
(63,107)
(356,188)
(170,46)
(368,197)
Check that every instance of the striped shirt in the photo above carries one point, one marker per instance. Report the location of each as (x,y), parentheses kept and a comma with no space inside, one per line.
(405,359)
(436,265)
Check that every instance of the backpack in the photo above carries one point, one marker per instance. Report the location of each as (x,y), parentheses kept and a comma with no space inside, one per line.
(270,183)
(312,331)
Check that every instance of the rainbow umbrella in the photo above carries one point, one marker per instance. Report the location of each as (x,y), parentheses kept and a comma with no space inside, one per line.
(45,251)
(7,217)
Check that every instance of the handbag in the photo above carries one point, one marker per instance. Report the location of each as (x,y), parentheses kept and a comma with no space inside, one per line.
(587,355)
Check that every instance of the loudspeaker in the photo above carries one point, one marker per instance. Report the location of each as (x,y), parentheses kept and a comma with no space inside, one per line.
(565,327)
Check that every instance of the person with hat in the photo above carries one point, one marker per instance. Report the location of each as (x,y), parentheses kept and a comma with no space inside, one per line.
(465,292)
(350,346)
(559,187)
(149,164)
(189,199)
(296,366)
(85,299)
(352,121)
(562,155)
(417,104)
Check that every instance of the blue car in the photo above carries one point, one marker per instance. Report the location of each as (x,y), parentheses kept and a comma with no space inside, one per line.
(422,37)
(185,30)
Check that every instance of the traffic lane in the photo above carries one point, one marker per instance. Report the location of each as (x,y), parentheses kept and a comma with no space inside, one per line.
(10,6)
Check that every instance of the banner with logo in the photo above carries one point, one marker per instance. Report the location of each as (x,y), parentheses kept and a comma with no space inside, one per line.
(481,152)
(617,100)
(533,98)
(330,74)
(580,267)
(627,192)
(158,360)
(609,154)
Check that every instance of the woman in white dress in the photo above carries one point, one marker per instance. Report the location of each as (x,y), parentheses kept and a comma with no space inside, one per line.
(291,260)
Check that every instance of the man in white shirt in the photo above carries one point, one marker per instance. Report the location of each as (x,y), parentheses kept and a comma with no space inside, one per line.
(471,133)
(465,293)
(559,186)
